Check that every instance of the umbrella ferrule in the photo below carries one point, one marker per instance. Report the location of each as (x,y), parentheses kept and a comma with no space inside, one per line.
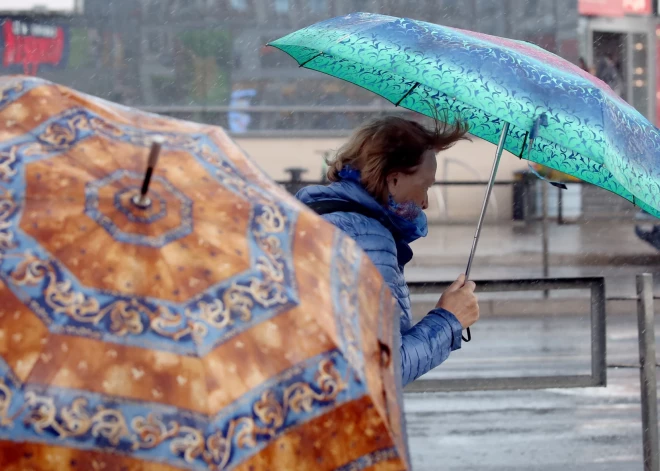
(141,201)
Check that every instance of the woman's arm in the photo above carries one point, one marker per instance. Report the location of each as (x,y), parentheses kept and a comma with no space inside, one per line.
(426,344)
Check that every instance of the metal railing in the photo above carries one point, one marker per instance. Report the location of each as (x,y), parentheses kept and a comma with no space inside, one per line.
(598,376)
(524,191)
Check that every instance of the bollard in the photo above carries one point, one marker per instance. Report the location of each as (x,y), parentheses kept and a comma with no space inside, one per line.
(295,183)
(647,361)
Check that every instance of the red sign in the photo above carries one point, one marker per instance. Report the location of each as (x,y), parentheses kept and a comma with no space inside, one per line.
(638,7)
(30,45)
(601,7)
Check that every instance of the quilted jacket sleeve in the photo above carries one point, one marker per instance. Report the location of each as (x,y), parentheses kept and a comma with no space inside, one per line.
(426,344)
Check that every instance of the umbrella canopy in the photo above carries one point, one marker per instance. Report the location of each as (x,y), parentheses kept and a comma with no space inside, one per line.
(588,132)
(217,326)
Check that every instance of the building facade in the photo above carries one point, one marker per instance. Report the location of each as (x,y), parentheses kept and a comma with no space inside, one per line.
(201,53)
(620,39)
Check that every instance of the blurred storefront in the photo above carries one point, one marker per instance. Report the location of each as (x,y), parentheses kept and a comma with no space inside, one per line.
(203,55)
(620,44)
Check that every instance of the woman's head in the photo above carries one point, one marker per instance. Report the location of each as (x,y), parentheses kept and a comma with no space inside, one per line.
(396,157)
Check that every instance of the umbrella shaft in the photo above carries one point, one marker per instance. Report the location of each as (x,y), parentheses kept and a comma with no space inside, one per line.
(489,190)
(146,181)
(156,145)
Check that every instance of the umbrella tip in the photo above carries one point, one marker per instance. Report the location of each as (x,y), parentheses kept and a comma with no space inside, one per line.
(141,200)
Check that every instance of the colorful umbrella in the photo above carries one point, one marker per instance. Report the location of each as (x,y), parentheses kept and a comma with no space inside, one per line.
(511,93)
(582,127)
(193,317)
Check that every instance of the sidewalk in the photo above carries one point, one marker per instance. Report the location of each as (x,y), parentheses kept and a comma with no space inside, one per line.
(506,251)
(508,245)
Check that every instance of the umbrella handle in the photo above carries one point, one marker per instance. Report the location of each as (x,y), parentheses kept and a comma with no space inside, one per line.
(489,190)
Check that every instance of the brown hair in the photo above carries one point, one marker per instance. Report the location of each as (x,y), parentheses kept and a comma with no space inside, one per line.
(392,144)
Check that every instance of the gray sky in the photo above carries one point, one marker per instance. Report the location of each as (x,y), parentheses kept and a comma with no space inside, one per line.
(19,5)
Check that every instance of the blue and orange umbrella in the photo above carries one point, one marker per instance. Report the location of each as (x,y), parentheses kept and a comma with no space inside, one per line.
(193,318)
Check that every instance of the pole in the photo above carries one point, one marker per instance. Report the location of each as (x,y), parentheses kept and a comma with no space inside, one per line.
(489,190)
(648,388)
(544,232)
(560,206)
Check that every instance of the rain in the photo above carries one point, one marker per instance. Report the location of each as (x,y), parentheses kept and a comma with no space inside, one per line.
(192,108)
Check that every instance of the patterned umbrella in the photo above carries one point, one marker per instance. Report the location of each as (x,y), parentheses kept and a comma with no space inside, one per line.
(191,318)
(511,93)
(548,110)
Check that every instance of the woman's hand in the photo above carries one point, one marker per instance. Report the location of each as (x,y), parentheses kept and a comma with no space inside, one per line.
(460,300)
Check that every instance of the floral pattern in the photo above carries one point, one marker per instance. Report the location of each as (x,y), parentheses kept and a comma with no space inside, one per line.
(196,442)
(195,326)
(591,133)
(345,271)
(196,367)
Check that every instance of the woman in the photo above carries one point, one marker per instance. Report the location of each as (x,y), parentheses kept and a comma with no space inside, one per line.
(380,183)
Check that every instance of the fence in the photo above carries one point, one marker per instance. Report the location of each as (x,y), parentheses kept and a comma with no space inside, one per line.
(598,377)
(512,200)
(518,199)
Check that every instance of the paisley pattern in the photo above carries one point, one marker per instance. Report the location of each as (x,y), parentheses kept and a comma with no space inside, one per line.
(346,270)
(123,203)
(197,325)
(370,460)
(188,440)
(14,88)
(486,81)
(218,328)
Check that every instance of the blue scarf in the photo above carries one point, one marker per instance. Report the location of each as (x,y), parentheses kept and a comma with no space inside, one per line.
(408,217)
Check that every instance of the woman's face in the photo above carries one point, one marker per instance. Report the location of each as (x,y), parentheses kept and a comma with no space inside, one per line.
(414,187)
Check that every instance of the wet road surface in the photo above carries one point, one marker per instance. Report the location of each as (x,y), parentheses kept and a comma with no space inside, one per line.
(550,430)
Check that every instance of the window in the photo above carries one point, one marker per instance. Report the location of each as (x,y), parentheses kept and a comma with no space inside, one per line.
(282,6)
(239,5)
(317,6)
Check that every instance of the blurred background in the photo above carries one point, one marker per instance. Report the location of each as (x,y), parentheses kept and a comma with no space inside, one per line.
(206,60)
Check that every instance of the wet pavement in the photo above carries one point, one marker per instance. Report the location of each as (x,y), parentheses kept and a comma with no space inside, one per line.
(506,251)
(511,245)
(549,430)
(585,429)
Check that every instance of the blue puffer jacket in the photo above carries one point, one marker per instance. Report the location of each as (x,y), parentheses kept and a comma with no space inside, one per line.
(428,343)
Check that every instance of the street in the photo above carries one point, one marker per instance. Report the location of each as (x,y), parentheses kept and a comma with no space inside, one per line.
(549,430)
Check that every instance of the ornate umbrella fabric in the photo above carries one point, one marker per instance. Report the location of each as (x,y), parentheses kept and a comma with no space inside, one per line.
(501,87)
(217,326)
